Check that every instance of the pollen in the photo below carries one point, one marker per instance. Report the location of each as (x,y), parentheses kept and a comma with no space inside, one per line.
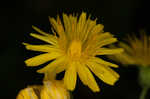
(74,50)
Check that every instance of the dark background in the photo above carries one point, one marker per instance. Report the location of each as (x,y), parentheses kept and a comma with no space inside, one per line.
(17,16)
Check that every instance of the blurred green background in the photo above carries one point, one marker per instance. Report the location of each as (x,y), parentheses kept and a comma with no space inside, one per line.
(17,16)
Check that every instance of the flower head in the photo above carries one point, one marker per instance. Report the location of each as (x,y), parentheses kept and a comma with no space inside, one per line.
(74,47)
(136,50)
(49,90)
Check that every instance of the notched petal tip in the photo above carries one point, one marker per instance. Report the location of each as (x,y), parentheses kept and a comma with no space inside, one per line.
(40,59)
(29,63)
(49,17)
(25,44)
(96,90)
(33,26)
(43,70)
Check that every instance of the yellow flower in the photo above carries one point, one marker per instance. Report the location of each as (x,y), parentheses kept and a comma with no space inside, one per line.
(74,48)
(136,50)
(50,90)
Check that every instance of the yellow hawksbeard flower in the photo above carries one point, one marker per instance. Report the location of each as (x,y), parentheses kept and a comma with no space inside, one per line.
(74,49)
(137,51)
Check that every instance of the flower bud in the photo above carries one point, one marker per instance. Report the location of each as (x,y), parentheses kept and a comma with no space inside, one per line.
(27,93)
(54,90)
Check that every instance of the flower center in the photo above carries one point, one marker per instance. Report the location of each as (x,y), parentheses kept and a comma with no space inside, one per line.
(74,50)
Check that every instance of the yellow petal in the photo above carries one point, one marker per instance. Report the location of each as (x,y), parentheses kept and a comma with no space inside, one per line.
(49,76)
(82,73)
(57,25)
(73,27)
(108,51)
(124,58)
(61,68)
(104,36)
(97,29)
(50,39)
(53,23)
(41,48)
(40,59)
(103,72)
(51,67)
(126,47)
(87,78)
(66,23)
(39,31)
(81,22)
(100,61)
(70,77)
(73,21)
(107,42)
(87,29)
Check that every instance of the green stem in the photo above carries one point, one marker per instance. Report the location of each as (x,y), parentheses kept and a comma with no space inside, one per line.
(71,95)
(143,93)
